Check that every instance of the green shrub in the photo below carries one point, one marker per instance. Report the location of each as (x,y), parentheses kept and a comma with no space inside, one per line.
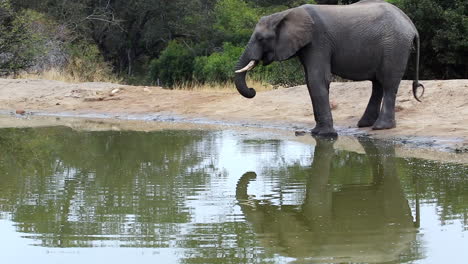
(219,66)
(174,65)
(287,73)
(443,30)
(52,40)
(86,63)
(20,45)
(235,20)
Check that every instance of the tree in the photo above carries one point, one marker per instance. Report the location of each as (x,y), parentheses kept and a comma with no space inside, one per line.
(19,44)
(218,66)
(443,30)
(130,34)
(174,66)
(235,20)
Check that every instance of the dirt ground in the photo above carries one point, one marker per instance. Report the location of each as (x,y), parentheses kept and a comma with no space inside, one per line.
(441,117)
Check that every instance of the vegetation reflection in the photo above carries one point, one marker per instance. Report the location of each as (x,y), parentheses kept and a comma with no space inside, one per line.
(71,188)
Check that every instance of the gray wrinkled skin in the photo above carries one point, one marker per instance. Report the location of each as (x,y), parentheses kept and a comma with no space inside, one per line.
(369,40)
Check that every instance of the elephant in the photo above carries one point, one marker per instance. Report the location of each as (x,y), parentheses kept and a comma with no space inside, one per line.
(366,221)
(335,2)
(368,40)
(326,2)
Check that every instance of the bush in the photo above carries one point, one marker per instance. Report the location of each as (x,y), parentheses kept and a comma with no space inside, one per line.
(443,30)
(235,20)
(86,64)
(174,65)
(52,41)
(287,73)
(32,43)
(20,46)
(219,66)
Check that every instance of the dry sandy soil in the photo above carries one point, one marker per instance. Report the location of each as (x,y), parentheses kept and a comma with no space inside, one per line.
(442,117)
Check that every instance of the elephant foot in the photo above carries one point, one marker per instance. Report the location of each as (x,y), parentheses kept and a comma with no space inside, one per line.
(366,122)
(379,124)
(325,132)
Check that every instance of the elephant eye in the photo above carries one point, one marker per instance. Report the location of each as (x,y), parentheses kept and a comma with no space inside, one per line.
(264,38)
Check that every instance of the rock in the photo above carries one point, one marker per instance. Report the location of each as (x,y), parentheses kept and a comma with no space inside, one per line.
(333,105)
(93,99)
(20,112)
(114,92)
(299,133)
(461,150)
(96,99)
(75,93)
(146,89)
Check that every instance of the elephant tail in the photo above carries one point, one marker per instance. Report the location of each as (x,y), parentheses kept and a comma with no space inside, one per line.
(416,83)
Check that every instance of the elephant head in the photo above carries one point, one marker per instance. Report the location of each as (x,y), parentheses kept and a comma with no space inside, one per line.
(277,37)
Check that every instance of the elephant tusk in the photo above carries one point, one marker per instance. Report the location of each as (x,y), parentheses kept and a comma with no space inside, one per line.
(249,66)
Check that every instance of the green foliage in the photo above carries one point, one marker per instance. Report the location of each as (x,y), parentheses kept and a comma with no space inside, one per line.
(20,45)
(138,36)
(443,30)
(50,38)
(219,66)
(235,20)
(287,73)
(86,63)
(395,2)
(174,66)
(284,3)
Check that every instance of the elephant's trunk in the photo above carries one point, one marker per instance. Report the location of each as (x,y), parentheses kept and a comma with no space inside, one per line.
(241,72)
(242,184)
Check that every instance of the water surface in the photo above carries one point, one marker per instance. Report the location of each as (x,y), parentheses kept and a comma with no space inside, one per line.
(223,197)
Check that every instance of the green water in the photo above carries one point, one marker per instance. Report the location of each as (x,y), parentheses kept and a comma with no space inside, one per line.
(222,197)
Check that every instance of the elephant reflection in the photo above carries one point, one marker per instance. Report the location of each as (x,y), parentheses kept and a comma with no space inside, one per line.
(357,223)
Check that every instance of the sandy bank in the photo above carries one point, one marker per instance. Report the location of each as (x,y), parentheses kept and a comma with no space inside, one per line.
(442,117)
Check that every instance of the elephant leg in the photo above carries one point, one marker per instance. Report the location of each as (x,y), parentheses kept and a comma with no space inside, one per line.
(373,107)
(318,78)
(389,76)
(319,93)
(318,198)
(386,118)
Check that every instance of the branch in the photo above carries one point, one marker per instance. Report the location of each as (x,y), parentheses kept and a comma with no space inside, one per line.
(105,15)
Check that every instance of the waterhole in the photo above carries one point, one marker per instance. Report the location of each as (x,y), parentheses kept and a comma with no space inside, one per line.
(221,196)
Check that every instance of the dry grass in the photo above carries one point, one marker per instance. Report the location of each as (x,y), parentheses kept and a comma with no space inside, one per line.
(52,74)
(70,76)
(75,76)
(222,87)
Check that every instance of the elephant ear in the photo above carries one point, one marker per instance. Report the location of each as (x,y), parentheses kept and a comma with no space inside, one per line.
(293,31)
